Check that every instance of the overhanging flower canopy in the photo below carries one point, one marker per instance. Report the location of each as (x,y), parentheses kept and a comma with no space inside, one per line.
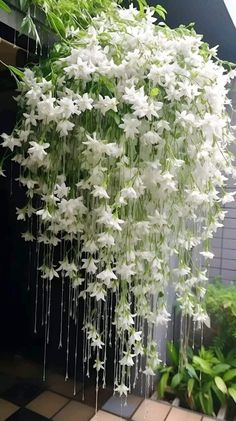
(123,151)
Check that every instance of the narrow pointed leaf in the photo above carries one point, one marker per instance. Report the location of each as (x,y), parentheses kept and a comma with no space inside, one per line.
(4,7)
(221,384)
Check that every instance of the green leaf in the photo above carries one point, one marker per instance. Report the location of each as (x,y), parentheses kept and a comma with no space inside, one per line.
(203,402)
(232,393)
(176,380)
(56,23)
(221,384)
(15,71)
(191,371)
(203,365)
(209,403)
(218,393)
(4,7)
(162,384)
(190,386)
(221,368)
(161,11)
(173,353)
(229,375)
(115,117)
(24,5)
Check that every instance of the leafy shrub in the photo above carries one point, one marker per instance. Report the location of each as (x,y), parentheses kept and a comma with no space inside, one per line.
(205,383)
(221,307)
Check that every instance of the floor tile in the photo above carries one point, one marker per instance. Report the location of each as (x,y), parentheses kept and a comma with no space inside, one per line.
(208,419)
(153,411)
(47,403)
(90,396)
(122,407)
(26,415)
(177,414)
(104,416)
(75,411)
(56,383)
(7,409)
(22,393)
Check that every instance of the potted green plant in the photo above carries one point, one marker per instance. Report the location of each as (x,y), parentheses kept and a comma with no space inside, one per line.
(207,383)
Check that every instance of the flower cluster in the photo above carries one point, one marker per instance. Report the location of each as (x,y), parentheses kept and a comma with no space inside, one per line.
(123,148)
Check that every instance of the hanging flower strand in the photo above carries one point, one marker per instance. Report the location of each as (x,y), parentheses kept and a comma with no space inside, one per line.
(123,149)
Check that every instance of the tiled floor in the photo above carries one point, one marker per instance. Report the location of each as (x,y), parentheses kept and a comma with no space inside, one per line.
(24,397)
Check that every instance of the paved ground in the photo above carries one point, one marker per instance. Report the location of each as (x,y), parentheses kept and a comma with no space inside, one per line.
(23,397)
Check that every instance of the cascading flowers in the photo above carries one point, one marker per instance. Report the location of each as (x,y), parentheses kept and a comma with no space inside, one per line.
(123,151)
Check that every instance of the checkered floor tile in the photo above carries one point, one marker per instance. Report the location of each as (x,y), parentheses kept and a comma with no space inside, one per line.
(25,398)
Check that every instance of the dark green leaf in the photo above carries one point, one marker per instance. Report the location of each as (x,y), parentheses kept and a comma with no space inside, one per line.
(191,371)
(176,380)
(220,368)
(229,375)
(24,5)
(218,393)
(162,384)
(173,353)
(56,23)
(190,386)
(209,403)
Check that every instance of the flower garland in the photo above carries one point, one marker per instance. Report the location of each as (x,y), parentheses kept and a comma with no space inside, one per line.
(123,151)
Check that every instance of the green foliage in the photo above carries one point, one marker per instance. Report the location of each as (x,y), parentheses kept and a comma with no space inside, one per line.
(4,7)
(61,14)
(221,307)
(205,383)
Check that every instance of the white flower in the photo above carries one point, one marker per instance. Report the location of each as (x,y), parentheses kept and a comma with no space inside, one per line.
(28,236)
(130,126)
(95,289)
(99,365)
(122,389)
(46,109)
(106,276)
(45,214)
(100,192)
(126,271)
(207,254)
(127,359)
(67,108)
(37,151)
(61,190)
(90,246)
(49,272)
(135,337)
(84,102)
(105,104)
(112,149)
(128,193)
(90,265)
(228,198)
(10,141)
(97,342)
(69,268)
(106,240)
(64,127)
